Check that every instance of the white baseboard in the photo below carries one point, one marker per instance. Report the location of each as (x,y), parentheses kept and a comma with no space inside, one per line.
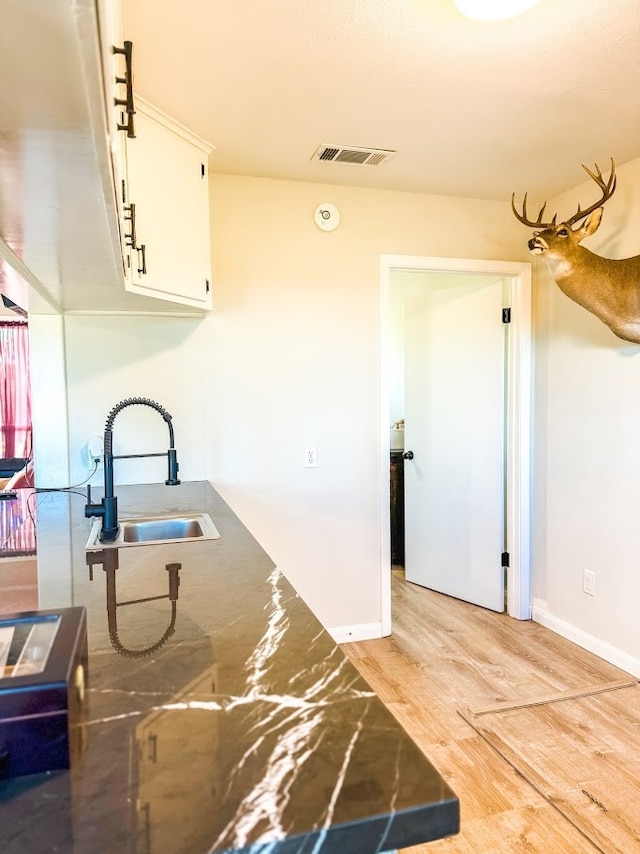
(360,632)
(604,650)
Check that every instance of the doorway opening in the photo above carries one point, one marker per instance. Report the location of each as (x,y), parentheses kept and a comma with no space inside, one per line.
(403,277)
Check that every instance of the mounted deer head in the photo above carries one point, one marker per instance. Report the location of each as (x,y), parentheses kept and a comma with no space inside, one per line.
(608,288)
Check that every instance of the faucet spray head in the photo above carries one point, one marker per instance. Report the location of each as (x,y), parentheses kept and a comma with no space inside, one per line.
(173,479)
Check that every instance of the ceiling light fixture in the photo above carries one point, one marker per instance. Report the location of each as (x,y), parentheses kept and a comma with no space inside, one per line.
(493,10)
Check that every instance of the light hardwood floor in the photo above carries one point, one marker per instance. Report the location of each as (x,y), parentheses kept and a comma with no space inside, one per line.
(445,656)
(18,584)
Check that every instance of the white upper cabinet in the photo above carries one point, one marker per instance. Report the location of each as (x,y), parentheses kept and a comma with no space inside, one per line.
(166,210)
(161,186)
(68,174)
(58,216)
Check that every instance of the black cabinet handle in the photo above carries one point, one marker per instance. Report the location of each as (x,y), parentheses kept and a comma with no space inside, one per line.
(127,80)
(142,268)
(408,455)
(130,216)
(152,743)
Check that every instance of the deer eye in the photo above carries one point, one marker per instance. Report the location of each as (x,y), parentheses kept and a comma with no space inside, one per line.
(563,232)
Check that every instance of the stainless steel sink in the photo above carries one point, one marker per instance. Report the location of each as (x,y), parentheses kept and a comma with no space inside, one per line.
(149,530)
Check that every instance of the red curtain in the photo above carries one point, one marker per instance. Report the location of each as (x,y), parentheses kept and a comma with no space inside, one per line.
(15,391)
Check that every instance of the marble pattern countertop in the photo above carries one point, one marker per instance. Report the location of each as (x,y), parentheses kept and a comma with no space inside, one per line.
(221,720)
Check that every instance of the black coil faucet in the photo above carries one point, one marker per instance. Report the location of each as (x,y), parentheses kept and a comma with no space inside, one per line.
(107,510)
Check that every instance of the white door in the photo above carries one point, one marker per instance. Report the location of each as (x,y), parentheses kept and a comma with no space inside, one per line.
(454,426)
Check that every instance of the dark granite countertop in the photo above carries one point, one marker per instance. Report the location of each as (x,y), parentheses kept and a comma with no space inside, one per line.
(225,720)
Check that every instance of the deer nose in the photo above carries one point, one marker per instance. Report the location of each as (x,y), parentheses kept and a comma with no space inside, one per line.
(532,243)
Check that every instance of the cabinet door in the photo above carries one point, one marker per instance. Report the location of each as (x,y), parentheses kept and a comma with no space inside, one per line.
(167,181)
(117,77)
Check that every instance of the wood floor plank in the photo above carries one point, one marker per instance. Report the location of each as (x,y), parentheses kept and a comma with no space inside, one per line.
(445,656)
(491,654)
(430,722)
(536,830)
(484,784)
(583,757)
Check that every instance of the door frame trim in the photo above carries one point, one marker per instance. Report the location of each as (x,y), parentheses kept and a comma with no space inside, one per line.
(518,416)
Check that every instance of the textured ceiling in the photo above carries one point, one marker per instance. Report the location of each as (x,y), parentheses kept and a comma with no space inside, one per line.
(472,109)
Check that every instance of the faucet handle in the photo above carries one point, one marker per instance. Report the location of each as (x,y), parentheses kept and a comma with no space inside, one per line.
(89,501)
(91,509)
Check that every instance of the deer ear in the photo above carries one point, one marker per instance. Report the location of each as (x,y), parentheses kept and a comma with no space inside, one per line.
(591,223)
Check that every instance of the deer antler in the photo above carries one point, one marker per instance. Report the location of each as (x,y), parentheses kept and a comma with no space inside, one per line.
(525,220)
(607,188)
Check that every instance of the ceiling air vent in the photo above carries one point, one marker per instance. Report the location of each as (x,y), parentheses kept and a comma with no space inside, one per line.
(351,154)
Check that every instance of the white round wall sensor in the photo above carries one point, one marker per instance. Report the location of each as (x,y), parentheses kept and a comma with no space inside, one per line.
(326,216)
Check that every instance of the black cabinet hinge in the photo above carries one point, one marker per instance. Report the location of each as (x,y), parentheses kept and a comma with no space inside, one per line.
(206,281)
(202,170)
(505,559)
(506,315)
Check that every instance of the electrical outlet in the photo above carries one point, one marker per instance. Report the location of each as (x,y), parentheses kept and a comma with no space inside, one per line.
(95,449)
(589,582)
(310,457)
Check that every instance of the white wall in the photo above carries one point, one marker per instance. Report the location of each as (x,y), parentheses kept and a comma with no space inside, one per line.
(587,449)
(290,357)
(113,358)
(402,283)
(295,347)
(49,400)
